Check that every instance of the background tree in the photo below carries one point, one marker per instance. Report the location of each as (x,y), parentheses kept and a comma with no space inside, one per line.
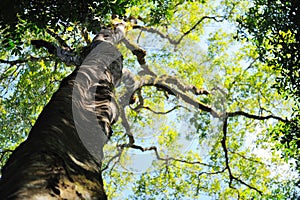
(275,30)
(214,141)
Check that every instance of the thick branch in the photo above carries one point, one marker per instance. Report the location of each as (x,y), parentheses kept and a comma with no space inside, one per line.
(65,55)
(184,88)
(136,50)
(140,54)
(126,125)
(69,57)
(163,82)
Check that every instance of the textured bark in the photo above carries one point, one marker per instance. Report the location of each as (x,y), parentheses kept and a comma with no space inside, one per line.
(62,155)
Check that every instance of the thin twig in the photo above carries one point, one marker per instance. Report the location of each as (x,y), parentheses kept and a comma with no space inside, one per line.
(111,159)
(207,173)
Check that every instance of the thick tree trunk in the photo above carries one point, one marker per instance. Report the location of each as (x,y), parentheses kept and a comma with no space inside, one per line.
(62,155)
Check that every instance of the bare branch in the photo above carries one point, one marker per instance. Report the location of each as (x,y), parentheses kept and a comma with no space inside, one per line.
(163,82)
(251,116)
(223,142)
(155,31)
(126,125)
(247,158)
(140,54)
(207,173)
(246,184)
(176,42)
(215,18)
(231,176)
(61,42)
(168,159)
(111,159)
(157,112)
(20,61)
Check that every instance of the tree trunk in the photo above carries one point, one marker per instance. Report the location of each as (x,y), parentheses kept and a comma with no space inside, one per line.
(62,155)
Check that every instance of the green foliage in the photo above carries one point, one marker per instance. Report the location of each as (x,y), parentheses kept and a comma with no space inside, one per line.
(274,27)
(48,13)
(276,32)
(26,85)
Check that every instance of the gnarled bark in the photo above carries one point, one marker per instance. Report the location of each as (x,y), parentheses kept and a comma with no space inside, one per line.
(62,155)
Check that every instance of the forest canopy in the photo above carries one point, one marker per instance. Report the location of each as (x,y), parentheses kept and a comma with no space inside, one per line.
(211,111)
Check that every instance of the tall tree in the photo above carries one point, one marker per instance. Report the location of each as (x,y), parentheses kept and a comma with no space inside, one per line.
(196,113)
(274,27)
(61,156)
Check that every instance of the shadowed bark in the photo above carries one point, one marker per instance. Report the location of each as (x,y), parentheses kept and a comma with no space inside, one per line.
(62,155)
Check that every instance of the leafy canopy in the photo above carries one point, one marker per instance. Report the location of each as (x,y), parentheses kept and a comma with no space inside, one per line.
(274,27)
(182,149)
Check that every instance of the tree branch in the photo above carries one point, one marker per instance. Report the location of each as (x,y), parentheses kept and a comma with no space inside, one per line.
(251,116)
(155,31)
(136,50)
(42,43)
(14,62)
(168,159)
(157,112)
(61,42)
(215,18)
(126,125)
(247,158)
(208,173)
(184,88)
(231,176)
(181,95)
(111,159)
(163,82)
(176,42)
(65,55)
